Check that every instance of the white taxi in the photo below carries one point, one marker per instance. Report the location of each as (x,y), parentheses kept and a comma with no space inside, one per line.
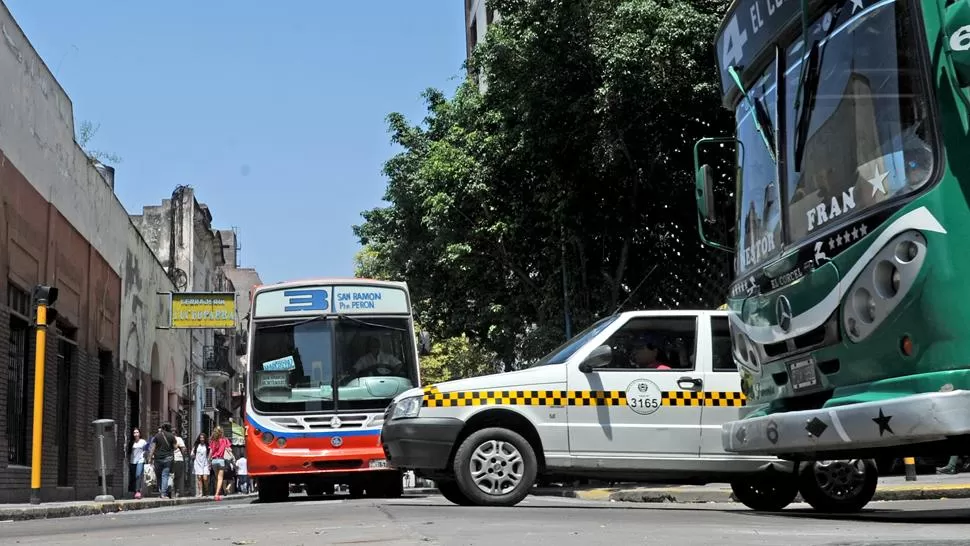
(638,396)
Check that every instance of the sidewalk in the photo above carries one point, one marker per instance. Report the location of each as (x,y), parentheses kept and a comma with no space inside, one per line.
(890,488)
(21,512)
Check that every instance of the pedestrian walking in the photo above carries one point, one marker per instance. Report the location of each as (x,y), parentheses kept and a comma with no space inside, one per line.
(217,457)
(178,467)
(242,473)
(162,456)
(136,463)
(200,465)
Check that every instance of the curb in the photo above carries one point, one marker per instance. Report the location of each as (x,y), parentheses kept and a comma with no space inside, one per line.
(701,495)
(92,508)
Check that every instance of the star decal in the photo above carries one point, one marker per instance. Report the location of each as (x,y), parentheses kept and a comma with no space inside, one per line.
(855,233)
(838,239)
(856,4)
(883,422)
(847,236)
(831,244)
(863,230)
(878,181)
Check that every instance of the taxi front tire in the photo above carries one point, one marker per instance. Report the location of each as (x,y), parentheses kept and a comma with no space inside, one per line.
(495,467)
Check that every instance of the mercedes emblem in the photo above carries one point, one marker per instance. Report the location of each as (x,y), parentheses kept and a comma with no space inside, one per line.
(783,311)
(335,422)
(336,441)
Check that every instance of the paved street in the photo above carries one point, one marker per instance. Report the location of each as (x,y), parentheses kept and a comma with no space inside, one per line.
(432,520)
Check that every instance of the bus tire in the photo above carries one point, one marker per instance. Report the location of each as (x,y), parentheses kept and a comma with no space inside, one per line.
(505,463)
(451,492)
(766,494)
(273,490)
(838,487)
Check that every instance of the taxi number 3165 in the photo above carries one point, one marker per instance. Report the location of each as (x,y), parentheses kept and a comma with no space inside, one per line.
(653,403)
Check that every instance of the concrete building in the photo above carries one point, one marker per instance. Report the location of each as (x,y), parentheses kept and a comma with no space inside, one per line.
(478,17)
(62,224)
(180,232)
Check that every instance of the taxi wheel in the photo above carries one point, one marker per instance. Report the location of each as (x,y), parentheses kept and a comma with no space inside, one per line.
(765,495)
(450,491)
(495,467)
(839,487)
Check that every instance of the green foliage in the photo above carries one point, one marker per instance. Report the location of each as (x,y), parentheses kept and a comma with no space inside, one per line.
(455,358)
(572,173)
(85,133)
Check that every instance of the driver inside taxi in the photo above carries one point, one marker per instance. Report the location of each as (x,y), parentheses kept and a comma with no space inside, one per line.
(645,352)
(376,358)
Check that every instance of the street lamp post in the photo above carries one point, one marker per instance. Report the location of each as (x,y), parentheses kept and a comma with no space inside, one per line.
(44,297)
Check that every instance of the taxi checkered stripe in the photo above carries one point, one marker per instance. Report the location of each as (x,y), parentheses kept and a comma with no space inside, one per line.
(433,398)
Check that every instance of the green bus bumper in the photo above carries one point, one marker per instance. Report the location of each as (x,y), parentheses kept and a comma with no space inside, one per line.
(913,419)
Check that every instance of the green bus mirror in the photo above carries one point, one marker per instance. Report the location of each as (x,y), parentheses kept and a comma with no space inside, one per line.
(704,183)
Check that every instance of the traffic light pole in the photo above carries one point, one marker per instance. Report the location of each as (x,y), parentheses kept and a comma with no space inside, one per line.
(44,296)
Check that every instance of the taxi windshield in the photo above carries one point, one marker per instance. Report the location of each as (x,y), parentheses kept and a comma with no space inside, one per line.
(563,352)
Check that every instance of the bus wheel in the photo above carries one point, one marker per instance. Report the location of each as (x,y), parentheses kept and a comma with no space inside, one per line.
(839,487)
(386,485)
(766,495)
(495,467)
(271,490)
(450,491)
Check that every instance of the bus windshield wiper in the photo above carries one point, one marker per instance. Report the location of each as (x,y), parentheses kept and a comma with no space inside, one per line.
(805,101)
(762,121)
(374,324)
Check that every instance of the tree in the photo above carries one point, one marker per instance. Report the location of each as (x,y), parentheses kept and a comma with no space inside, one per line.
(85,133)
(565,191)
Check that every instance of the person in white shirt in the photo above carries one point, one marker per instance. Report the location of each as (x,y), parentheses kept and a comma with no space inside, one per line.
(242,474)
(376,359)
(136,463)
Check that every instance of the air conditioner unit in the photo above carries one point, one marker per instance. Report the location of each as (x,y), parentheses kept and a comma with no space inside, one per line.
(210,398)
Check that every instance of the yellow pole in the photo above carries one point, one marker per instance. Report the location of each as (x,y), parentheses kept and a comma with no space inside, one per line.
(910,463)
(36,452)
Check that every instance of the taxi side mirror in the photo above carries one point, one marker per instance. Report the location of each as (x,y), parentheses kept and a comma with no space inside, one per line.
(599,358)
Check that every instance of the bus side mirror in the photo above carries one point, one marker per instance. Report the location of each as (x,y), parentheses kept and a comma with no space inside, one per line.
(424,343)
(704,184)
(704,189)
(599,358)
(241,345)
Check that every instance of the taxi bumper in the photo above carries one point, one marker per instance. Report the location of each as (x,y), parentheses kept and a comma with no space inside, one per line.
(420,443)
(914,419)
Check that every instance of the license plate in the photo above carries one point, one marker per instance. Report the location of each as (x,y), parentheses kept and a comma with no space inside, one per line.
(379,463)
(802,374)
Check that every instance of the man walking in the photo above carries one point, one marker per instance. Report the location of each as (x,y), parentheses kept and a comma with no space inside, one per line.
(162,456)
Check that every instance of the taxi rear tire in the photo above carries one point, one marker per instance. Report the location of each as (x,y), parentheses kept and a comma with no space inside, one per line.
(495,467)
(839,487)
(766,494)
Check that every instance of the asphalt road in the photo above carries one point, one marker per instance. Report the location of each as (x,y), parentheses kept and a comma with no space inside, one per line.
(537,521)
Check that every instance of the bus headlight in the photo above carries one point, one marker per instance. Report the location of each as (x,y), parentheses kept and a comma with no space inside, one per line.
(883,284)
(406,408)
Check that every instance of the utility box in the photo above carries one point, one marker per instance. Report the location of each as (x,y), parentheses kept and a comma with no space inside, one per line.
(105,442)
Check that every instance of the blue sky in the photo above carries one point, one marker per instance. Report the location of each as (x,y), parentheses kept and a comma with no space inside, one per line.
(273,112)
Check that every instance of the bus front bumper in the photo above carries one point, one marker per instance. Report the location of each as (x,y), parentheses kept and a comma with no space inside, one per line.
(914,419)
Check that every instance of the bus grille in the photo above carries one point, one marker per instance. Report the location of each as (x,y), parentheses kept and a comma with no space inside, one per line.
(325,422)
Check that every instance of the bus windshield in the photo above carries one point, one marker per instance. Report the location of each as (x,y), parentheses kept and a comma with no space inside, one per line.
(858,137)
(327,363)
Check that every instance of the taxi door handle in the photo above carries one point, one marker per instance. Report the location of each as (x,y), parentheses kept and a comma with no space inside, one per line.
(689,382)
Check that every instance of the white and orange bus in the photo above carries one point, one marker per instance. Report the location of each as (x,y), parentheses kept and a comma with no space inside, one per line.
(325,359)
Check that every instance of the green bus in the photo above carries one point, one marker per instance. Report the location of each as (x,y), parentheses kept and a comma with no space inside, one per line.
(846,317)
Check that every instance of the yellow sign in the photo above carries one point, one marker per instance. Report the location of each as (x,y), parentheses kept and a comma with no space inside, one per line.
(203,310)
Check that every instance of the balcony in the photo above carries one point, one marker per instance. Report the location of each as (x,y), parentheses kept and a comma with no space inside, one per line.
(217,364)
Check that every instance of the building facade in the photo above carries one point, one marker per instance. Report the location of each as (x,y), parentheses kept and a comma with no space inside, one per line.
(180,232)
(478,17)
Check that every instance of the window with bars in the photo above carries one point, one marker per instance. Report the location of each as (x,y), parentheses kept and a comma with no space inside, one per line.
(18,350)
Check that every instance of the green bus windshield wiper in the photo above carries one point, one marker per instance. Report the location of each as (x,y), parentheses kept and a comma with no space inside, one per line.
(762,121)
(805,102)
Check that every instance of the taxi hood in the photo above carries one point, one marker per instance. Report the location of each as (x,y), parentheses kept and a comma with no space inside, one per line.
(540,377)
